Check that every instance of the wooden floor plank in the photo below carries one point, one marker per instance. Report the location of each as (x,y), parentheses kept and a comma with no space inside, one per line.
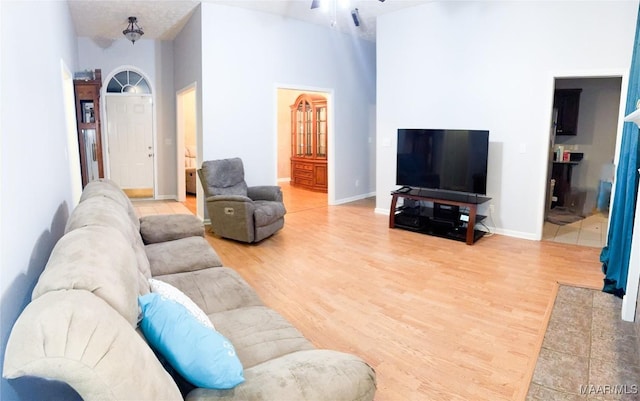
(437,319)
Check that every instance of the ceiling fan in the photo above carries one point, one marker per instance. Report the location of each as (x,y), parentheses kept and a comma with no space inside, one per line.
(355,15)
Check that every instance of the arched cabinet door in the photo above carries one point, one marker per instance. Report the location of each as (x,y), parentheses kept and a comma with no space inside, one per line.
(309,142)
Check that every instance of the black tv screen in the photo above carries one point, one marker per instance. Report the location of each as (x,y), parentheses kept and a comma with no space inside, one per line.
(444,159)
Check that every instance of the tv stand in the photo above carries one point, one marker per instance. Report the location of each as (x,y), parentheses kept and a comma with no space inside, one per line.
(446,222)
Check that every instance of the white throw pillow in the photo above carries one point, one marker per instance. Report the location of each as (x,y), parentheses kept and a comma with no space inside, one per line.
(168,291)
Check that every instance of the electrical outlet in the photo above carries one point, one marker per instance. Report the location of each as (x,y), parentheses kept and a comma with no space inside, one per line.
(492,208)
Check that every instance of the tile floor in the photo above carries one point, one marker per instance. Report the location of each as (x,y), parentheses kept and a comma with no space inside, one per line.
(588,352)
(150,207)
(590,231)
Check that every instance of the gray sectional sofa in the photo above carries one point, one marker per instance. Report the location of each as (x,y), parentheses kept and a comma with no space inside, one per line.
(81,326)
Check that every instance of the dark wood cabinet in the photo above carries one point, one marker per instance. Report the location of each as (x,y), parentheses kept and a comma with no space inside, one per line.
(87,94)
(561,173)
(309,142)
(566,102)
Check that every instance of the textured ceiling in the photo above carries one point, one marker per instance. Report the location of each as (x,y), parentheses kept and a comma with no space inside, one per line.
(104,20)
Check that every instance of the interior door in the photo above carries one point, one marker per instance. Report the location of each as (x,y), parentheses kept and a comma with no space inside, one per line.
(130,149)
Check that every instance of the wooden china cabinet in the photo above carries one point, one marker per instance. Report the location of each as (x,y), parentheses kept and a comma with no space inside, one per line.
(87,93)
(309,142)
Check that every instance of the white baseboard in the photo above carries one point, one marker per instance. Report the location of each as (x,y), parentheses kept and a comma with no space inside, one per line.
(353,198)
(379,210)
(515,234)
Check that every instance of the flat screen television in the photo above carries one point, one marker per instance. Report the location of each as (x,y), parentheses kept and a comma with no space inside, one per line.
(443,159)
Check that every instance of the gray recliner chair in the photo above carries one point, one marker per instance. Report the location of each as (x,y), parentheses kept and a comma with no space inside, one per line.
(239,212)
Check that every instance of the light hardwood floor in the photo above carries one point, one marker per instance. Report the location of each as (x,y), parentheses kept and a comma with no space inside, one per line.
(437,319)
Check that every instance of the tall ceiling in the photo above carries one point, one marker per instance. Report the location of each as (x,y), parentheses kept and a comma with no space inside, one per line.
(104,20)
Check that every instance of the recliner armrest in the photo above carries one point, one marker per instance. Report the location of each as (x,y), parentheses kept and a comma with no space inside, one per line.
(228,198)
(265,192)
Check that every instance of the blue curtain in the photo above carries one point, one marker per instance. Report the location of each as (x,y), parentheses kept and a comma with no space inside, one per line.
(615,256)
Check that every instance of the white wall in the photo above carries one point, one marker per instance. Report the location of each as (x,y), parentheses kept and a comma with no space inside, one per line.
(188,52)
(166,151)
(188,71)
(120,53)
(491,65)
(246,54)
(155,59)
(37,179)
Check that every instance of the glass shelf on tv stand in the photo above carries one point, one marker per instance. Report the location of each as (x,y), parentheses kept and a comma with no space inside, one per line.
(431,226)
(441,195)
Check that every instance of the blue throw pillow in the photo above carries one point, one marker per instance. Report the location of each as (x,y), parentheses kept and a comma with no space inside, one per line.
(201,355)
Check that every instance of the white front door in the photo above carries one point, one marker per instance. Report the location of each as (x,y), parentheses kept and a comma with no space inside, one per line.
(130,136)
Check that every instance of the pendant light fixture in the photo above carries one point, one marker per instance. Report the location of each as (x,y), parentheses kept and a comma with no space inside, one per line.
(133,31)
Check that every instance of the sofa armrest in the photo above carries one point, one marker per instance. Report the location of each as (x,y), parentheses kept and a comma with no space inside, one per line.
(75,337)
(265,192)
(169,227)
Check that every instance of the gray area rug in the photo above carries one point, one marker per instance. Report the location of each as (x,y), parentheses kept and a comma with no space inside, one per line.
(560,215)
(588,351)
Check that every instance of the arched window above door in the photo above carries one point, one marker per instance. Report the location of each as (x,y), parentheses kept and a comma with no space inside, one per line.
(128,82)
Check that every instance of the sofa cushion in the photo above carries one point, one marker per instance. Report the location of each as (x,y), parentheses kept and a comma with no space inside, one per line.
(104,211)
(181,255)
(76,337)
(97,259)
(302,376)
(214,290)
(105,187)
(170,292)
(141,257)
(259,334)
(200,354)
(169,227)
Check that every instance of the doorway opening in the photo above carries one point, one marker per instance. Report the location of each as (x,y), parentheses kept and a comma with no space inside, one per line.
(317,123)
(584,129)
(187,147)
(130,133)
